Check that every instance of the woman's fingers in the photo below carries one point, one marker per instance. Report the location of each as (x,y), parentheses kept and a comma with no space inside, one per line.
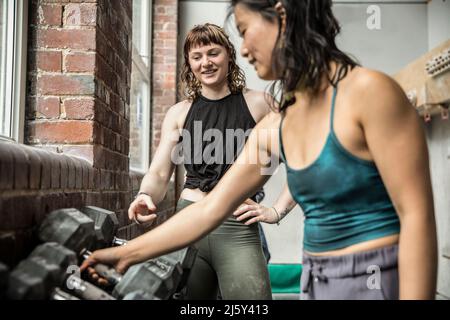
(244,209)
(254,220)
(103,282)
(145,218)
(131,210)
(105,256)
(142,210)
(87,263)
(247,215)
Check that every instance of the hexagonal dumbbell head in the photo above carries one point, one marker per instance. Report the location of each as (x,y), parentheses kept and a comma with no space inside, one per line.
(33,279)
(153,277)
(106,226)
(68,227)
(55,253)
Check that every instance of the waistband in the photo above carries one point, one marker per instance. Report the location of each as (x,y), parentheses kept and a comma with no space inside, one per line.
(230,225)
(320,269)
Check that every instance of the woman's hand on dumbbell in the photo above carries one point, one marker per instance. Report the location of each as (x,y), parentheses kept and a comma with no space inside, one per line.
(111,256)
(254,212)
(142,209)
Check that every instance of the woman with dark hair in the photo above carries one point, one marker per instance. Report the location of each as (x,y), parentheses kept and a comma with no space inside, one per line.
(356,158)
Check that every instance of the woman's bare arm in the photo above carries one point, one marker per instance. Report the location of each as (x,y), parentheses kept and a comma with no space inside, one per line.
(242,180)
(156,180)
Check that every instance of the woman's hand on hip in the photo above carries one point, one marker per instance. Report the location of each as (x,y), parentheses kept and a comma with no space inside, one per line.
(254,212)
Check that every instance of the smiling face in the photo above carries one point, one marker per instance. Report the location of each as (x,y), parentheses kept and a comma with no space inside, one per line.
(259,39)
(209,64)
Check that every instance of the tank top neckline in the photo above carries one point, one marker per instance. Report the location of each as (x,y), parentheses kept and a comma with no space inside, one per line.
(202,97)
(331,137)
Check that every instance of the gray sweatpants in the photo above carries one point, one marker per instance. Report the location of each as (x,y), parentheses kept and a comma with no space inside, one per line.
(229,259)
(368,275)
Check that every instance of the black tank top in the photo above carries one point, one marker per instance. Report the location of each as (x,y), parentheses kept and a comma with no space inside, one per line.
(216,133)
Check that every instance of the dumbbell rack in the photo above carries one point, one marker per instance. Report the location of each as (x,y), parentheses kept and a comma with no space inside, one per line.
(51,271)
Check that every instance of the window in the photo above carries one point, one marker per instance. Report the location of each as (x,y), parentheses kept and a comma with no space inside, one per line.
(13,26)
(140,87)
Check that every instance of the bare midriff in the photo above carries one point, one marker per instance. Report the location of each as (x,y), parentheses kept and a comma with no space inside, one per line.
(360,247)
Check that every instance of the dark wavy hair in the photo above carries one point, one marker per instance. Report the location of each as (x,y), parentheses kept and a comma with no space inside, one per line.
(302,55)
(203,35)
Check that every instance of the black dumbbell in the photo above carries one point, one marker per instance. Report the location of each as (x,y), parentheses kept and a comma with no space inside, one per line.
(56,254)
(35,279)
(75,231)
(106,226)
(159,277)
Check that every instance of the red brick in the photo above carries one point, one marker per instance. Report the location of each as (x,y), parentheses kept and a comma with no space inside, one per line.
(79,108)
(80,62)
(62,39)
(49,61)
(82,14)
(48,107)
(50,15)
(61,132)
(65,85)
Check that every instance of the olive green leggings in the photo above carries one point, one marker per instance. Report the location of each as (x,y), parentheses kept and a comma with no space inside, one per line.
(230,260)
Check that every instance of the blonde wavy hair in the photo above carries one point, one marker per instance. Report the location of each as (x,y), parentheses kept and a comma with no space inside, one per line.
(203,35)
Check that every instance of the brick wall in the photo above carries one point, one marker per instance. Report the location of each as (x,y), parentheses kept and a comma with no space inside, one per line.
(164,94)
(77,119)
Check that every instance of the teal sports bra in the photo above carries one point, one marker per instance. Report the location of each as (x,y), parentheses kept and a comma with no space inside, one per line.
(343,197)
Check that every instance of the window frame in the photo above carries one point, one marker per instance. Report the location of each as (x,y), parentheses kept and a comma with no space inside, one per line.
(16,64)
(141,62)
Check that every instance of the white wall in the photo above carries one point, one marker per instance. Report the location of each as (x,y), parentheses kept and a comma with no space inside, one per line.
(438,22)
(438,133)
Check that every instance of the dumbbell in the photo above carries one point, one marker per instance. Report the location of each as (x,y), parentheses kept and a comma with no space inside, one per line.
(35,279)
(75,230)
(106,226)
(55,254)
(160,277)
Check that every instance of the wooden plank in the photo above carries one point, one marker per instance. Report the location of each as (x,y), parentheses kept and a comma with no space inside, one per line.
(426,80)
